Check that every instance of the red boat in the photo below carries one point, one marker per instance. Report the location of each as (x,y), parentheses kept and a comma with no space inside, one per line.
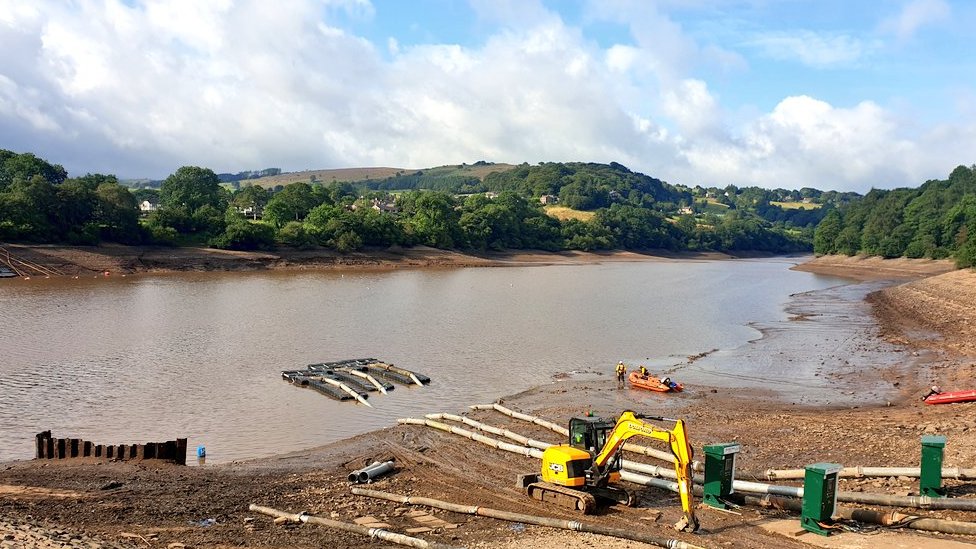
(653,384)
(950,397)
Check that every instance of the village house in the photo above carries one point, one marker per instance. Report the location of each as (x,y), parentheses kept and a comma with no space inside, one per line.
(549,199)
(146,207)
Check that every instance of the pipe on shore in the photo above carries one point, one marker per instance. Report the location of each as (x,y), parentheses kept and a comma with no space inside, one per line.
(652,470)
(859,471)
(631,534)
(377,533)
(630,447)
(891,519)
(367,474)
(628,474)
(913,502)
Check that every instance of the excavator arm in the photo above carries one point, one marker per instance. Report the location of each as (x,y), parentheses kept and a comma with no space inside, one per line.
(631,424)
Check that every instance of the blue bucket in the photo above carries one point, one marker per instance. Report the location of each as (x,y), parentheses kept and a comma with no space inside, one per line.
(201,451)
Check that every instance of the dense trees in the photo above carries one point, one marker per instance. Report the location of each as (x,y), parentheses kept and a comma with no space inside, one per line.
(935,220)
(39,203)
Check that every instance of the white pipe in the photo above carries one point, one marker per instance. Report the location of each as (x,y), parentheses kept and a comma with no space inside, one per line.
(859,471)
(921,502)
(345,388)
(367,377)
(651,452)
(637,466)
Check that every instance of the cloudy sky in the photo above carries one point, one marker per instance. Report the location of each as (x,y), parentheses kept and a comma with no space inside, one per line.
(833,94)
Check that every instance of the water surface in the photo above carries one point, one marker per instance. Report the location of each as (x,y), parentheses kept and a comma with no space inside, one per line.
(155,357)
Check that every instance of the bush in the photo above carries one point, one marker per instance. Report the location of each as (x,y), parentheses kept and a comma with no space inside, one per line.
(245,236)
(294,234)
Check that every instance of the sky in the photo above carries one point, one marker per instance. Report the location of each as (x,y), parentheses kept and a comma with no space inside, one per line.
(833,94)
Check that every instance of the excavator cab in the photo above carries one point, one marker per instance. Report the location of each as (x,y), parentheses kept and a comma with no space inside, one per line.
(589,433)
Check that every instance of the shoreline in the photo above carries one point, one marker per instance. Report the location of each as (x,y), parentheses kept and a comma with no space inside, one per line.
(71,261)
(772,434)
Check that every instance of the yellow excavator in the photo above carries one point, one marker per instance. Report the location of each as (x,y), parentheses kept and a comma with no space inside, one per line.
(575,474)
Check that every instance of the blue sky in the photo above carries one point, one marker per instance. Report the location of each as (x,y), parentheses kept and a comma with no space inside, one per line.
(844,95)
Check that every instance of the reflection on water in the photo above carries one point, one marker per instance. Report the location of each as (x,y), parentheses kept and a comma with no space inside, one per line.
(142,358)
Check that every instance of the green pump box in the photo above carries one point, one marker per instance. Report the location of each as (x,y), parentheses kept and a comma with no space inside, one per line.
(719,473)
(930,478)
(819,496)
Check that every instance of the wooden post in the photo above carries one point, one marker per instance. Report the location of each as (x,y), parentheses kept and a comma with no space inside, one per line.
(180,456)
(60,452)
(86,448)
(41,444)
(100,450)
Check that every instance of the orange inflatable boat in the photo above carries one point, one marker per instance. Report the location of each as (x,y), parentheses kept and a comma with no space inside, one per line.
(653,384)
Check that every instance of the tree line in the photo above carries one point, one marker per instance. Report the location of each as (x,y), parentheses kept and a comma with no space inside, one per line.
(937,220)
(40,203)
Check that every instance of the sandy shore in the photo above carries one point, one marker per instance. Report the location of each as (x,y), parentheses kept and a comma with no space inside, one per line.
(927,313)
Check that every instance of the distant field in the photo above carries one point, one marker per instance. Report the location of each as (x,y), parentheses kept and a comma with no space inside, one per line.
(796,205)
(563,213)
(352,175)
(714,202)
(326,176)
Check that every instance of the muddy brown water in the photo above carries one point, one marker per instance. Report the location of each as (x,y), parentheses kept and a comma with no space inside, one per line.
(155,357)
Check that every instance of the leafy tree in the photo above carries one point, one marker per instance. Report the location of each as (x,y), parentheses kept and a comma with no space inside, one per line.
(193,188)
(430,218)
(252,196)
(293,203)
(825,236)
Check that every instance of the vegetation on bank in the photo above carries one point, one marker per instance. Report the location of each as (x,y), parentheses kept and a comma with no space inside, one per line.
(936,220)
(474,207)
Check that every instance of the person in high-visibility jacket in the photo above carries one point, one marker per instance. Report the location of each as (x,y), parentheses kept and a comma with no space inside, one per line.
(621,371)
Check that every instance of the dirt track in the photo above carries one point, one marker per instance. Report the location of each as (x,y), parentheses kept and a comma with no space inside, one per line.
(167,504)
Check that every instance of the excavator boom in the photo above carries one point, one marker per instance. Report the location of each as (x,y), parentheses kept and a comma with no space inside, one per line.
(567,469)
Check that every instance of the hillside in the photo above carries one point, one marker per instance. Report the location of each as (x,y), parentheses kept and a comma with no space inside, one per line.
(477,170)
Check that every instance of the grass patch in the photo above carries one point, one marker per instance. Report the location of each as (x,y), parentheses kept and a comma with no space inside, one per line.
(563,213)
(796,205)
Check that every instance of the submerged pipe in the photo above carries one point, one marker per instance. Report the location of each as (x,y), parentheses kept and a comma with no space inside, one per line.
(857,472)
(915,502)
(379,386)
(401,371)
(353,393)
(631,534)
(377,533)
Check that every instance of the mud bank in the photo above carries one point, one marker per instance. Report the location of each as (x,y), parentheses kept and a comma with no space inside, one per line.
(116,259)
(176,504)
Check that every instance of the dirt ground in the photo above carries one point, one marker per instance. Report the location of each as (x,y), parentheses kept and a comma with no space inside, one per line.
(158,505)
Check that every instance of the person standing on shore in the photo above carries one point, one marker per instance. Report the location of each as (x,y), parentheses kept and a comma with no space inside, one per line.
(621,374)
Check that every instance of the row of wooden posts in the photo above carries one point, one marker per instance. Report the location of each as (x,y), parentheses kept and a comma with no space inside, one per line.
(69,448)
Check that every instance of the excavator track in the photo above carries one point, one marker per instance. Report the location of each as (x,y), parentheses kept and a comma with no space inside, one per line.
(562,496)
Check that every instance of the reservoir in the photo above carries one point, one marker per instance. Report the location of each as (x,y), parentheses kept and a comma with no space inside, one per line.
(199,355)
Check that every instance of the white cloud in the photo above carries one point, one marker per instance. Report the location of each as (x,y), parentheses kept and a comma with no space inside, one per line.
(813,49)
(140,91)
(914,15)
